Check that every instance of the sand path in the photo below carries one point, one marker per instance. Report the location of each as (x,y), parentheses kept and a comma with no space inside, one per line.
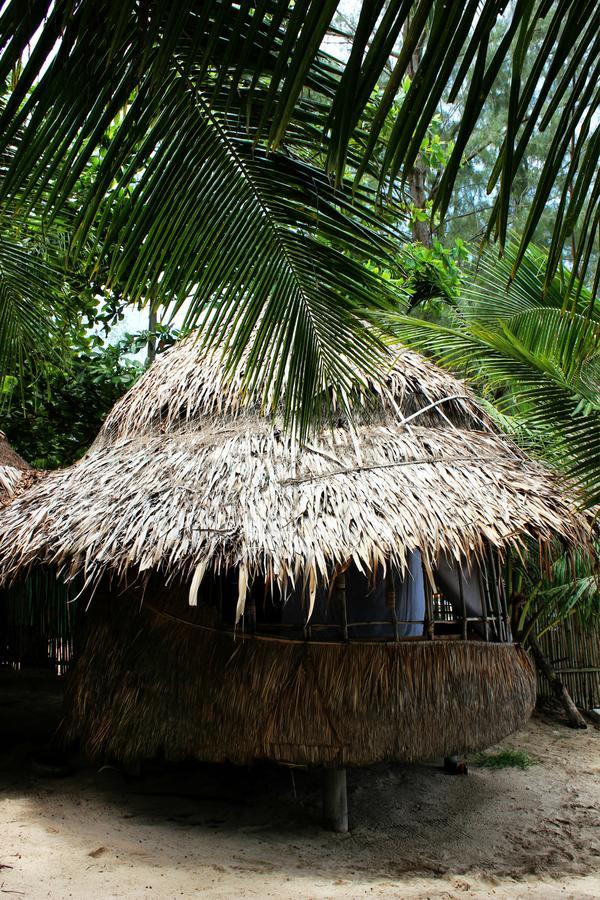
(221,832)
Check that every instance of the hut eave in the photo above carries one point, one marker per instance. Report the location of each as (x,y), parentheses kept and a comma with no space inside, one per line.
(239,495)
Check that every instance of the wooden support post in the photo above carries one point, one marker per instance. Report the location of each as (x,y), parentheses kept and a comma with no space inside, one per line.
(341,595)
(492,588)
(463,605)
(490,580)
(429,624)
(504,601)
(497,599)
(308,630)
(335,800)
(484,606)
(390,599)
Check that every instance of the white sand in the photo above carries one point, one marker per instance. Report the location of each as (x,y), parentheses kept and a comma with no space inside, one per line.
(220,832)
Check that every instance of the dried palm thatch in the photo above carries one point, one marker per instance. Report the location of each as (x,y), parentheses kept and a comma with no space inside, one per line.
(15,473)
(186,387)
(306,703)
(186,477)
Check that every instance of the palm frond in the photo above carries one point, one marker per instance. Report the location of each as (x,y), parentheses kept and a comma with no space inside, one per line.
(259,246)
(569,586)
(538,363)
(34,301)
(497,294)
(90,60)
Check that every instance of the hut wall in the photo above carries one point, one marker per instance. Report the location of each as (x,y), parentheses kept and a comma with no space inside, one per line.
(147,685)
(573,649)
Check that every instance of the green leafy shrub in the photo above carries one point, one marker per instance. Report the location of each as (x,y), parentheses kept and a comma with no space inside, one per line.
(51,417)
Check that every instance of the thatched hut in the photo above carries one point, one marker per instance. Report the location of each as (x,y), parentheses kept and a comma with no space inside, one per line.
(334,603)
(15,473)
(35,621)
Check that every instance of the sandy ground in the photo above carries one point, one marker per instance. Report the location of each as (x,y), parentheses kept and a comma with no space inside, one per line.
(220,832)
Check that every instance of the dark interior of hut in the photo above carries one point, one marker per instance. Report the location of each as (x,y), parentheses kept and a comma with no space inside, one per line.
(359,607)
(464,603)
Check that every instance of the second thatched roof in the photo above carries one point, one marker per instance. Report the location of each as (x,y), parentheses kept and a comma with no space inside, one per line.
(184,478)
(15,473)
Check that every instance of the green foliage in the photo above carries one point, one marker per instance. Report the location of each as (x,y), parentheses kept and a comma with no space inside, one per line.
(36,303)
(471,202)
(505,759)
(534,353)
(570,585)
(434,276)
(52,417)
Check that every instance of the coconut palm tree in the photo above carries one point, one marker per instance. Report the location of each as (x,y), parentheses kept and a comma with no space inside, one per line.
(233,169)
(534,353)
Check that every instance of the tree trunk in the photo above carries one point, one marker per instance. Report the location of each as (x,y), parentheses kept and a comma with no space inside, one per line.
(560,692)
(416,185)
(152,322)
(417,176)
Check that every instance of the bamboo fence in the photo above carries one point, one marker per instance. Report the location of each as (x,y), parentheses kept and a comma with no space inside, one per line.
(573,650)
(36,624)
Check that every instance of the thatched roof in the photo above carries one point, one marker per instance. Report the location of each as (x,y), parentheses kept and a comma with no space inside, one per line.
(13,471)
(183,477)
(186,387)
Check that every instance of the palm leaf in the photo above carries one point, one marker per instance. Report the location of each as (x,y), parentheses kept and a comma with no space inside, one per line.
(495,294)
(533,359)
(259,246)
(568,586)
(35,301)
(89,59)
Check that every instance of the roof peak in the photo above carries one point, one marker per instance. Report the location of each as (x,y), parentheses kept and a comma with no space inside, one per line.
(188,385)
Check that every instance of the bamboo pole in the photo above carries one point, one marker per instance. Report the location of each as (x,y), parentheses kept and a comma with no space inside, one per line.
(390,599)
(484,606)
(428,624)
(494,594)
(340,586)
(574,653)
(463,604)
(504,599)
